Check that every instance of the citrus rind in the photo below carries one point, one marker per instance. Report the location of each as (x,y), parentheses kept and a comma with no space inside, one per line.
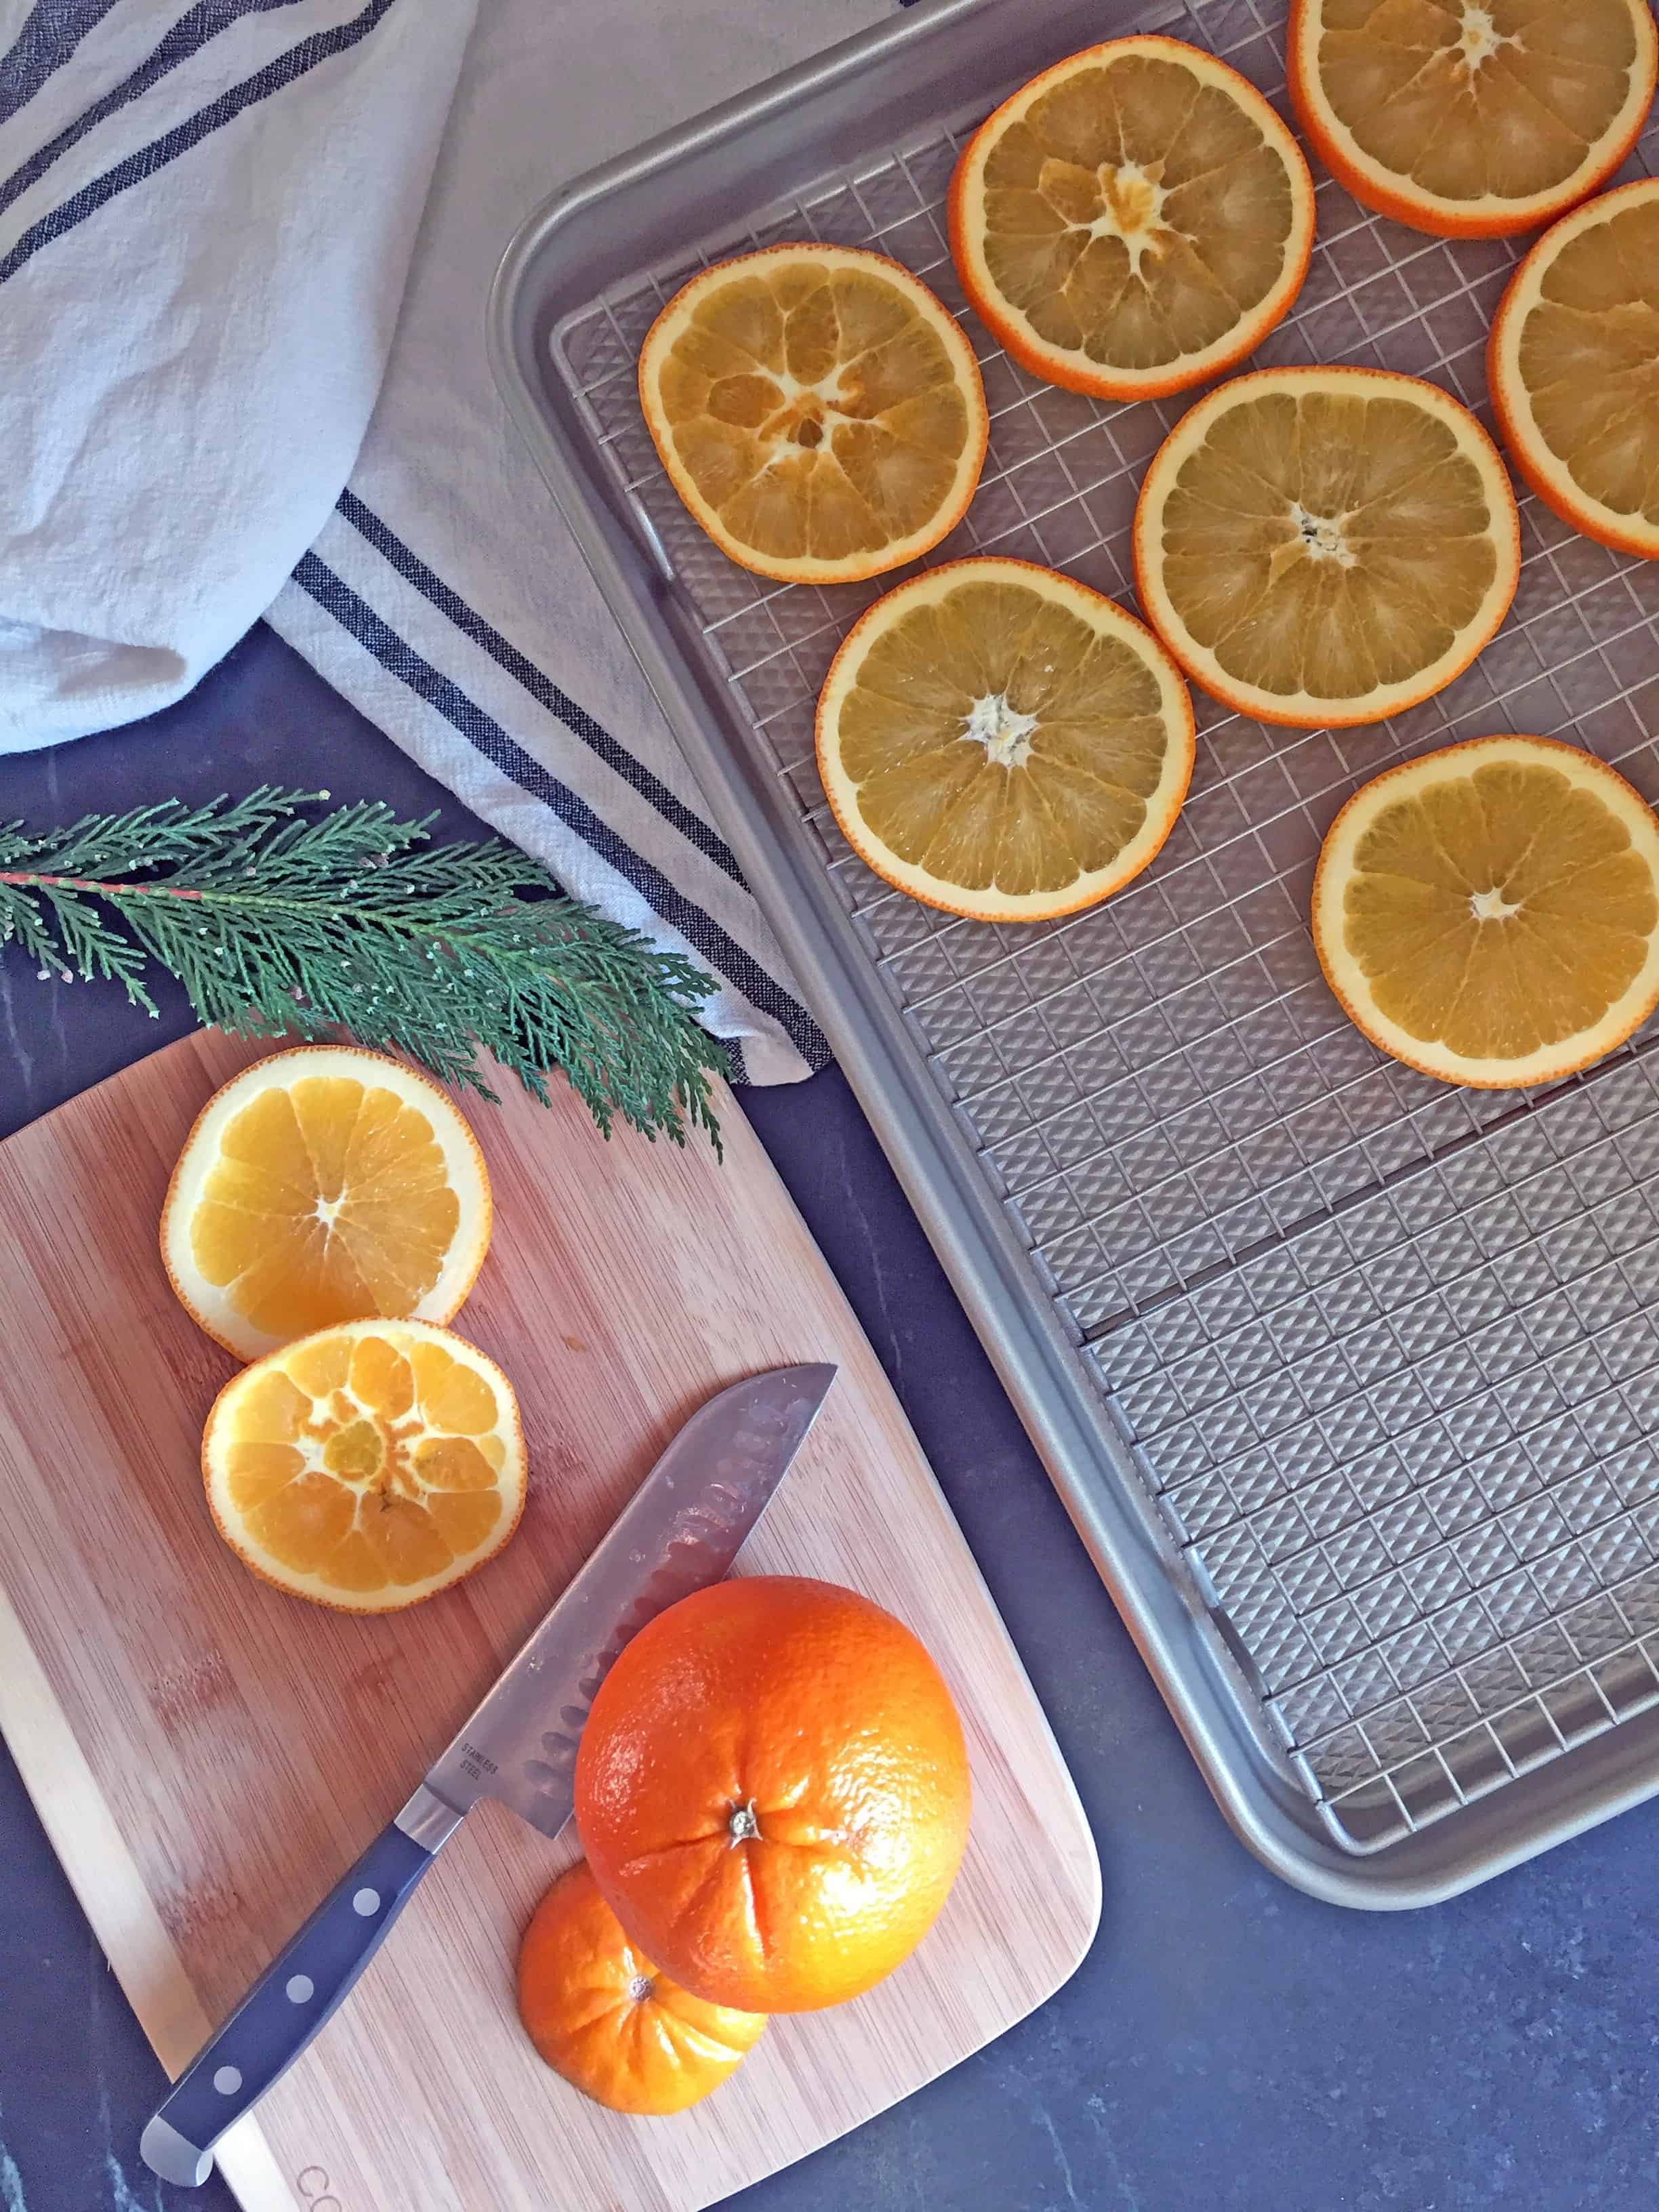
(1393,192)
(1132,219)
(1162,801)
(838,447)
(404,1478)
(1337,873)
(1599,370)
(212,1304)
(1300,706)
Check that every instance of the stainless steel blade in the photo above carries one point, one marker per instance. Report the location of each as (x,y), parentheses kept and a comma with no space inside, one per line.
(681,1528)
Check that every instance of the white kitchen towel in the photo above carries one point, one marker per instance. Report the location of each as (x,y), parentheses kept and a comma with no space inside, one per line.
(205,223)
(203,233)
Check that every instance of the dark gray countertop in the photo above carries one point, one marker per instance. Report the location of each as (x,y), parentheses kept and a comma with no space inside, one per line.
(1227,2044)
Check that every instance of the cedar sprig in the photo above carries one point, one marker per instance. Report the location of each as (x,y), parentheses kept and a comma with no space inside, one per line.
(278,921)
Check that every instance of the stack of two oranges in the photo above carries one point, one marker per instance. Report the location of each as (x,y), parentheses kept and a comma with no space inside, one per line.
(772,1792)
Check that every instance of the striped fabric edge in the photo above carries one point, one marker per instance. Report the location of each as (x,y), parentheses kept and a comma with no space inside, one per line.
(697,888)
(617,786)
(297,62)
(539,685)
(46,39)
(197,28)
(50,34)
(360,655)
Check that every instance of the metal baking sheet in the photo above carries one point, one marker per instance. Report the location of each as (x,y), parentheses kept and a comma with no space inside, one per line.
(1348,1379)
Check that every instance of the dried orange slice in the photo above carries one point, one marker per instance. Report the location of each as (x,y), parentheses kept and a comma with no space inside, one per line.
(1490,914)
(1003,742)
(367,1466)
(1326,545)
(600,2013)
(1471,118)
(1132,220)
(818,411)
(1573,368)
(322,1185)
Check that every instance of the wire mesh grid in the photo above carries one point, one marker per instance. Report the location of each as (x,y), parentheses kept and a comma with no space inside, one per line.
(1380,1348)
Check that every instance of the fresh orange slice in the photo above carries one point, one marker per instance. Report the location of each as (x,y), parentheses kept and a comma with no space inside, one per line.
(1003,742)
(1471,119)
(1573,367)
(1490,914)
(322,1185)
(367,1466)
(600,2013)
(1133,220)
(818,411)
(1323,546)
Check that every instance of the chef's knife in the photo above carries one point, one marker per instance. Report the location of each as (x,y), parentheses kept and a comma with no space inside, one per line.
(681,1529)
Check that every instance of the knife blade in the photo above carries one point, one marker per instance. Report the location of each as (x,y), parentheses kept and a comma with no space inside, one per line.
(681,1529)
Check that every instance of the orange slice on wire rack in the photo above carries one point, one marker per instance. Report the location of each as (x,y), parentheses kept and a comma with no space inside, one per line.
(1471,119)
(1001,741)
(818,409)
(1572,364)
(368,1467)
(1133,220)
(1490,914)
(1326,546)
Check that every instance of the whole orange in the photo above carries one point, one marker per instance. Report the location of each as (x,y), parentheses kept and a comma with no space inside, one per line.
(772,1792)
(605,2018)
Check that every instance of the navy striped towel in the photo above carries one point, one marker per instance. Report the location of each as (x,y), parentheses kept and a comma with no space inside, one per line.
(241,371)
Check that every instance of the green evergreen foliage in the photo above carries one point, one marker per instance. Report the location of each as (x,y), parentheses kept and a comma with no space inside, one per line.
(280,921)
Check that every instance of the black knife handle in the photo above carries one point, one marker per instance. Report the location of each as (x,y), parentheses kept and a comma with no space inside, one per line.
(293,1999)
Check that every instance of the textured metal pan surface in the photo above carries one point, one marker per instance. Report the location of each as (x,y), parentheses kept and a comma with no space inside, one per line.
(1348,1378)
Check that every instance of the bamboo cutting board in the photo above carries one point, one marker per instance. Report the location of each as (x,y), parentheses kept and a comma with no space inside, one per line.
(208,1753)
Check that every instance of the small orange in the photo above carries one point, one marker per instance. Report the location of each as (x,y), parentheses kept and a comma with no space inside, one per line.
(603,2016)
(772,1791)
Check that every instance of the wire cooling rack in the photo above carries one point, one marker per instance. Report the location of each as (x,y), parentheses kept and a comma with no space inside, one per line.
(1381,1349)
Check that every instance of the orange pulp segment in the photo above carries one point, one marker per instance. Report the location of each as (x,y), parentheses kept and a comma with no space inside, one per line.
(819,411)
(322,1185)
(1132,220)
(368,1466)
(1490,914)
